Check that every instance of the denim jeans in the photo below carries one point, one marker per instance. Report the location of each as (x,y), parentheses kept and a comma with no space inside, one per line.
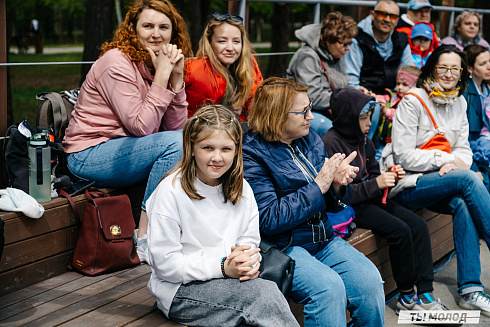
(127,160)
(333,279)
(230,302)
(462,194)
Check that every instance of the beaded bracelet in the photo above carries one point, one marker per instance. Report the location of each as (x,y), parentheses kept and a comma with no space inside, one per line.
(223,267)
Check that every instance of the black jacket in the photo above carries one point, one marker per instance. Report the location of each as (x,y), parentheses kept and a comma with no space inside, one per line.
(346,136)
(377,74)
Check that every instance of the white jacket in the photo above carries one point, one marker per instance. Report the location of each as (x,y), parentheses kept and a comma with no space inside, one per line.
(187,238)
(412,127)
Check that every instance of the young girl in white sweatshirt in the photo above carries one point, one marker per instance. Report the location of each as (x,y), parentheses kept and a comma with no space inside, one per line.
(203,234)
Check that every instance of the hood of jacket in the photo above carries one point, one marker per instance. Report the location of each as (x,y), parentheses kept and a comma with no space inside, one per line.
(434,44)
(310,34)
(346,105)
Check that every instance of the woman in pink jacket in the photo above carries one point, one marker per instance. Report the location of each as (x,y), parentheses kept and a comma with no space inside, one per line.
(124,128)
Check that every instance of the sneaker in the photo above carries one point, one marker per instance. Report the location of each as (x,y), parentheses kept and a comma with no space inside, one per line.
(431,306)
(406,302)
(476,301)
(141,245)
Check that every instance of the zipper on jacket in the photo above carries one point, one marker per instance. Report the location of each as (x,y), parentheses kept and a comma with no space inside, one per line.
(301,163)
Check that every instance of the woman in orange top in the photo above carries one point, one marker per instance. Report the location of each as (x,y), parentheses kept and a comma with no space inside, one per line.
(224,71)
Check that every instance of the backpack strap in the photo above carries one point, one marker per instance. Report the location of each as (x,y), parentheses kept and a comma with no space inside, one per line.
(326,74)
(428,111)
(60,116)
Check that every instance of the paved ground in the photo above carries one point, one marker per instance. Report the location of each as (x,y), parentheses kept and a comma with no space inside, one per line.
(446,289)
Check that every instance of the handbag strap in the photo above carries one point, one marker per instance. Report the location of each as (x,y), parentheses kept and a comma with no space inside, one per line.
(428,111)
(326,74)
(72,203)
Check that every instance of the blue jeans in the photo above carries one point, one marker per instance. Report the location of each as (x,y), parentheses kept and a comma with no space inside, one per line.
(320,124)
(127,160)
(333,279)
(462,194)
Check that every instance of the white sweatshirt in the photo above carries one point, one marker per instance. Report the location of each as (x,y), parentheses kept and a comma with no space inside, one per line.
(187,238)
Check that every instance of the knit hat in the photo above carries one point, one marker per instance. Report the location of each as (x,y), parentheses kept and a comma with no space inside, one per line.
(422,29)
(417,4)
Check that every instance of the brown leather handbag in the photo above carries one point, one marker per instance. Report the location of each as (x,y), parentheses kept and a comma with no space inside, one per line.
(105,242)
(438,141)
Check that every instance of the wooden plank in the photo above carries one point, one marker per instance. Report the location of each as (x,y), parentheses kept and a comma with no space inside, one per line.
(71,304)
(33,273)
(380,256)
(154,319)
(119,312)
(389,285)
(443,249)
(46,294)
(86,302)
(439,222)
(38,248)
(22,227)
(28,293)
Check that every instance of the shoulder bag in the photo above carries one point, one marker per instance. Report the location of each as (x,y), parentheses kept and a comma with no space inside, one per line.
(276,266)
(438,141)
(105,242)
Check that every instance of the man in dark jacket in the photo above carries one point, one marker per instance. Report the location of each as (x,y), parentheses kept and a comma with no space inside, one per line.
(406,233)
(378,50)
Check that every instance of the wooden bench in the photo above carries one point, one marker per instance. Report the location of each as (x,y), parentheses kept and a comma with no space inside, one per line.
(38,251)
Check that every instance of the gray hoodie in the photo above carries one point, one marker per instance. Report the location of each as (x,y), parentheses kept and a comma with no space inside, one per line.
(306,68)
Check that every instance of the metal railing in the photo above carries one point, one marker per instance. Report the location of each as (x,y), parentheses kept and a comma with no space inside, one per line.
(316,20)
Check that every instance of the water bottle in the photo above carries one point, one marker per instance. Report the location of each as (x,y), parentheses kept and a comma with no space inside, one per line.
(39,168)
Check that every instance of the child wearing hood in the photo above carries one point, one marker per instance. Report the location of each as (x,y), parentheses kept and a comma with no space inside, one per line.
(423,41)
(406,233)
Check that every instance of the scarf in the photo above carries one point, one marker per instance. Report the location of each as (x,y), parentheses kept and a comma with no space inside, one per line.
(437,93)
(464,43)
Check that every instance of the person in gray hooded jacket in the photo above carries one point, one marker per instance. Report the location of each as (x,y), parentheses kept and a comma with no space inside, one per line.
(319,65)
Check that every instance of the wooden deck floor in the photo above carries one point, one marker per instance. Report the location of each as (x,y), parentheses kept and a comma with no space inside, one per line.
(71,299)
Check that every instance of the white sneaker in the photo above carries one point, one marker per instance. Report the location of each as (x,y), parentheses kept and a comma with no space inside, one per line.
(141,245)
(432,306)
(476,301)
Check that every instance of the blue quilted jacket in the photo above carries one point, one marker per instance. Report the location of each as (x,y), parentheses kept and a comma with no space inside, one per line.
(285,198)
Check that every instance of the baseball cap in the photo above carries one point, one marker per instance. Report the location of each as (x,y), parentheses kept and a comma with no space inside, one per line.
(417,4)
(422,29)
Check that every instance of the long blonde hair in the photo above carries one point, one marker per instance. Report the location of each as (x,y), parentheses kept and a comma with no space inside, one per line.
(239,81)
(205,123)
(126,40)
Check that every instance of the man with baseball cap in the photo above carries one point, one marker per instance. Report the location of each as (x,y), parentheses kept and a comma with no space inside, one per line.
(417,11)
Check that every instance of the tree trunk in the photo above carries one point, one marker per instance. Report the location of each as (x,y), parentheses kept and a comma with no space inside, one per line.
(281,29)
(484,4)
(198,15)
(99,28)
(445,15)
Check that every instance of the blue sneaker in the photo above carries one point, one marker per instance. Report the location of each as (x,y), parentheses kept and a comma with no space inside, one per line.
(406,302)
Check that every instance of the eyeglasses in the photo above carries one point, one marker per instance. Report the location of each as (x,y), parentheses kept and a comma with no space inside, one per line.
(305,112)
(441,70)
(344,44)
(224,17)
(384,15)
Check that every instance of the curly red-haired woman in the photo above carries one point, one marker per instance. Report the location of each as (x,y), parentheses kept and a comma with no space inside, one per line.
(124,128)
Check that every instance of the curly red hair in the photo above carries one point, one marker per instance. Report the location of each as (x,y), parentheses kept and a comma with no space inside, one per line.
(126,40)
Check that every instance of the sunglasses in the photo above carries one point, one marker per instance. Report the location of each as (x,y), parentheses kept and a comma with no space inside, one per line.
(304,113)
(344,44)
(224,17)
(384,15)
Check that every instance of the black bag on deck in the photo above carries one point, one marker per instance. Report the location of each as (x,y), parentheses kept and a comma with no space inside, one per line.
(16,170)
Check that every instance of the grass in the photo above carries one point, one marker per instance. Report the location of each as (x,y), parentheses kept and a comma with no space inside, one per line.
(27,81)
